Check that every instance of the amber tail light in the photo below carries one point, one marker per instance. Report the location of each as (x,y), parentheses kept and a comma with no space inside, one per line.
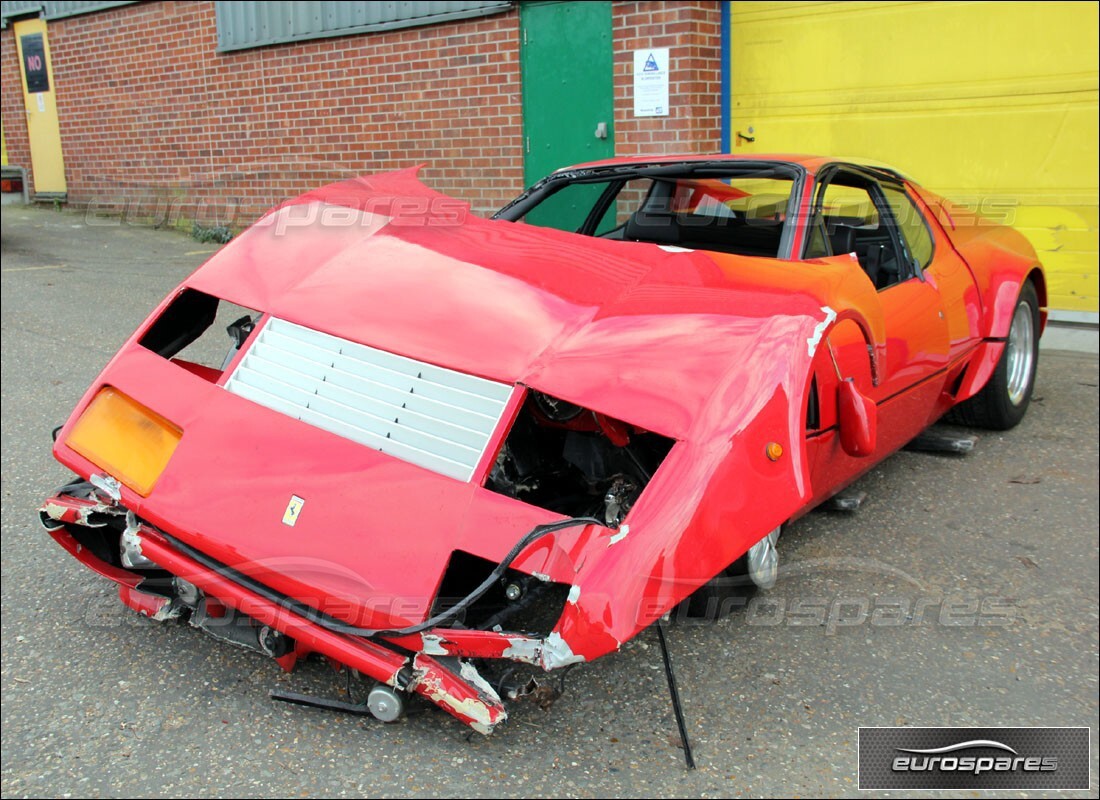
(123,437)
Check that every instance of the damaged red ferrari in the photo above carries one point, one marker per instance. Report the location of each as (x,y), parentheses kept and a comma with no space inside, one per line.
(439,446)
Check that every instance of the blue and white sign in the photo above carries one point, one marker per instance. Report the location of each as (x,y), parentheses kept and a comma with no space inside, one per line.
(651,82)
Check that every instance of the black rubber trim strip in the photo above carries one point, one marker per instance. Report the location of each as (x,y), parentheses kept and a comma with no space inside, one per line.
(335,625)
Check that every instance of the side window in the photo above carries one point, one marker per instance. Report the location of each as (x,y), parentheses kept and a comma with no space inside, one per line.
(851,215)
(630,197)
(568,208)
(849,205)
(911,225)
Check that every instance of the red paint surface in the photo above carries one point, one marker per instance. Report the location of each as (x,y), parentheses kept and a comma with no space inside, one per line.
(710,349)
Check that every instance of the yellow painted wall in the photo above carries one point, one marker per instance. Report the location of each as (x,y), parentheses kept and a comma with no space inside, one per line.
(990,104)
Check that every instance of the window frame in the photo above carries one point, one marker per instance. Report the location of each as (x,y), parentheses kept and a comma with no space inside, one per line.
(875,180)
(904,191)
(518,208)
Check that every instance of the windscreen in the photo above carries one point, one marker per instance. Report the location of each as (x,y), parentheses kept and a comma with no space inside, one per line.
(744,213)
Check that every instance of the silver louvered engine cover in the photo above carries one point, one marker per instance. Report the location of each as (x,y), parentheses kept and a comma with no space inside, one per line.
(426,415)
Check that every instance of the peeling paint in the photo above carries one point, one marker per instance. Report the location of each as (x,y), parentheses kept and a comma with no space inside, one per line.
(522,648)
(53,511)
(819,330)
(557,653)
(81,511)
(542,576)
(619,535)
(432,645)
(474,711)
(574,594)
(470,674)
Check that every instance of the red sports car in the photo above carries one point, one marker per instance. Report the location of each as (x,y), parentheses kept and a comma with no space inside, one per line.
(438,445)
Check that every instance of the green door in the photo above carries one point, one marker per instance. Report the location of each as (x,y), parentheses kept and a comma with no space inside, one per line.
(568,93)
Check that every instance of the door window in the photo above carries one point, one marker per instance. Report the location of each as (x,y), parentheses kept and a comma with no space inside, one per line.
(911,225)
(853,215)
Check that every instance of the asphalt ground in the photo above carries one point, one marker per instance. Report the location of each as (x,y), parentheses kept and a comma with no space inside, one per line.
(963,592)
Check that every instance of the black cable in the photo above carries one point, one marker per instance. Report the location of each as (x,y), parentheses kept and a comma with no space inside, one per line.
(535,533)
(674,693)
(335,625)
(561,684)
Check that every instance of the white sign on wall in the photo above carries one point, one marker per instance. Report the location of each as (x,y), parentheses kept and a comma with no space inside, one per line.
(651,82)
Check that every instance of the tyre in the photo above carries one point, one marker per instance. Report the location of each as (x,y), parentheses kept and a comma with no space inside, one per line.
(756,570)
(1003,401)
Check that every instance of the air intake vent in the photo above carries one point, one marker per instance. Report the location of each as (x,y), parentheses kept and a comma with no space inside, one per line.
(433,417)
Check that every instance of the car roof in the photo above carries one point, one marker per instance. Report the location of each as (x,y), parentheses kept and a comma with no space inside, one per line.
(812,163)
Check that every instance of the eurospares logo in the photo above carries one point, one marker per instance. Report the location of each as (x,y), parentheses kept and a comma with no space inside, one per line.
(974,758)
(950,759)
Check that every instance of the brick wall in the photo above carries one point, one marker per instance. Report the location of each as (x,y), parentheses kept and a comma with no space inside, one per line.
(148,109)
(155,122)
(692,31)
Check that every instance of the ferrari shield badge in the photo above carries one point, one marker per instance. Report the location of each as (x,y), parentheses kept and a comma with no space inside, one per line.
(293,509)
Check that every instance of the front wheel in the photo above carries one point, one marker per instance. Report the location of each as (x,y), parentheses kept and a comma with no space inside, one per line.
(1002,402)
(757,569)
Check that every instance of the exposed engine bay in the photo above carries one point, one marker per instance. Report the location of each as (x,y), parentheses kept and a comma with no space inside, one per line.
(573,461)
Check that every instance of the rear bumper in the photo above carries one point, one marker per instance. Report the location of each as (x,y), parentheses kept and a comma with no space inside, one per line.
(436,668)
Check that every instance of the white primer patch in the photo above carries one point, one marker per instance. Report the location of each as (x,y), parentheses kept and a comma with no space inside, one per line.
(475,712)
(557,653)
(468,672)
(574,594)
(619,535)
(523,649)
(819,330)
(432,645)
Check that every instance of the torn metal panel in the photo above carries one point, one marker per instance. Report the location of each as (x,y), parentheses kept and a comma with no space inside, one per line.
(465,695)
(81,505)
(154,606)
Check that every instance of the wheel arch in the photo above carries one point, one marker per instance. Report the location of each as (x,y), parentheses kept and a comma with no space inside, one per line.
(1004,295)
(1039,279)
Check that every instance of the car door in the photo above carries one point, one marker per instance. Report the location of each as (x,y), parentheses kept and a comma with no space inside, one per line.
(942,267)
(853,213)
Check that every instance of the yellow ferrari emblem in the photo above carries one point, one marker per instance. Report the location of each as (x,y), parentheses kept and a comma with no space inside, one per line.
(293,509)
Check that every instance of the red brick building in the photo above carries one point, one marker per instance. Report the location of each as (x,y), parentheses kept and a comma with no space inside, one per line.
(215,111)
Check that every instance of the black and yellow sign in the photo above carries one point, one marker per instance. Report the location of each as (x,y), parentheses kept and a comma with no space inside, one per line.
(34,63)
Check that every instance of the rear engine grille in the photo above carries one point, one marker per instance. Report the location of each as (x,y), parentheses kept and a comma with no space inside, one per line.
(430,416)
